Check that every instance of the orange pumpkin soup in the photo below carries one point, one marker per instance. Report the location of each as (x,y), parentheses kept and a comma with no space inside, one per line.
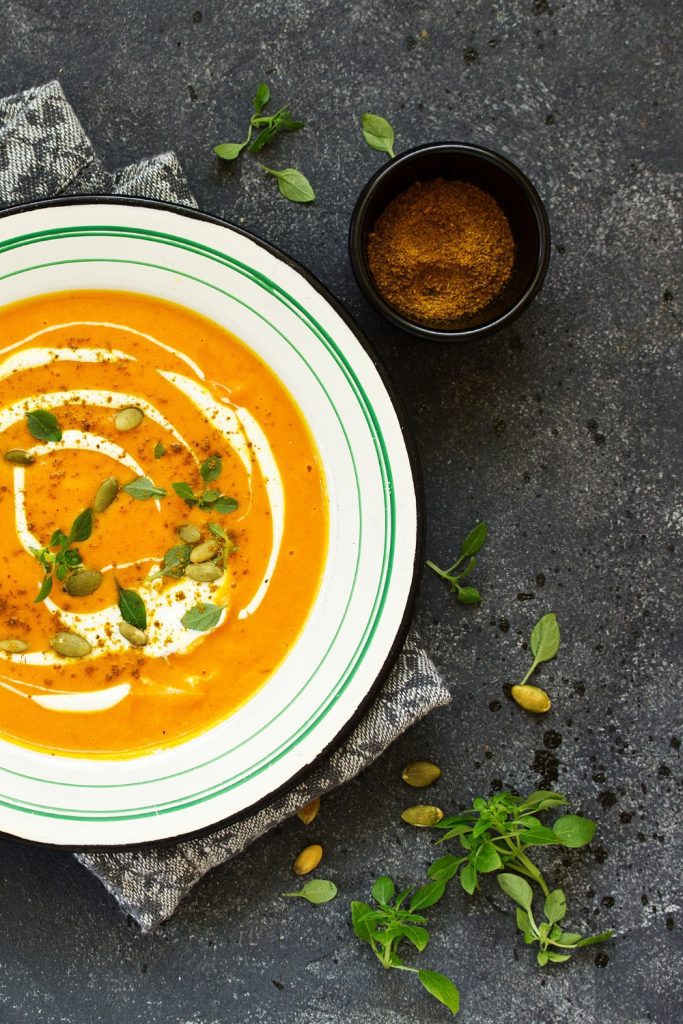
(163,523)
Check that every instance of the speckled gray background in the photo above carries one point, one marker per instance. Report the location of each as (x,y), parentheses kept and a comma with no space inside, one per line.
(563,433)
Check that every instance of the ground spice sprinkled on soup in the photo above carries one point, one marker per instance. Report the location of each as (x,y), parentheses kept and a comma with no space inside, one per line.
(163,523)
(441,251)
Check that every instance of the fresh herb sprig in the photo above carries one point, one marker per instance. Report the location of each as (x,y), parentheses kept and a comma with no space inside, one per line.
(555,945)
(293,185)
(472,544)
(65,558)
(395,919)
(208,500)
(495,834)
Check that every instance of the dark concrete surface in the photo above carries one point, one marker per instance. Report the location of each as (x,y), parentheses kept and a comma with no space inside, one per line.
(563,433)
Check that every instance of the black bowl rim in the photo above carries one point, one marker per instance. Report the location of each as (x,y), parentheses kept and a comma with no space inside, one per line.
(418,483)
(382,175)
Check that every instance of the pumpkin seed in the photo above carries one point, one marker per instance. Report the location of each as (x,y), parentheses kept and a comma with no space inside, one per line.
(189,533)
(19,457)
(13,646)
(204,551)
(421,773)
(128,418)
(531,698)
(136,637)
(70,645)
(105,494)
(309,812)
(206,572)
(83,582)
(422,815)
(308,859)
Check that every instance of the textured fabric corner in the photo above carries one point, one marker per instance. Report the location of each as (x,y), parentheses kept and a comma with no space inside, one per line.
(150,883)
(45,152)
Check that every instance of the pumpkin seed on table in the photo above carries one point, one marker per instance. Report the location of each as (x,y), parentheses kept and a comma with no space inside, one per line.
(70,645)
(308,859)
(309,812)
(105,494)
(19,457)
(136,637)
(128,418)
(83,582)
(422,815)
(189,533)
(204,551)
(13,646)
(531,698)
(205,572)
(419,774)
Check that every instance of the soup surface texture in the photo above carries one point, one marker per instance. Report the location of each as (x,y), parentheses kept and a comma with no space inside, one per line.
(144,636)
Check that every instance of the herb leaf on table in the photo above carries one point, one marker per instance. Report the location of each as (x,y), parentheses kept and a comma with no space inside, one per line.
(395,920)
(495,835)
(378,133)
(469,548)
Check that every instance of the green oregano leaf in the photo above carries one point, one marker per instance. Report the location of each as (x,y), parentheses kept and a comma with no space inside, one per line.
(202,617)
(132,607)
(45,588)
(545,638)
(383,889)
(555,906)
(317,891)
(185,492)
(229,150)
(211,468)
(442,988)
(378,133)
(427,895)
(43,425)
(159,450)
(574,831)
(142,489)
(518,889)
(223,505)
(81,528)
(293,185)
(262,98)
(474,541)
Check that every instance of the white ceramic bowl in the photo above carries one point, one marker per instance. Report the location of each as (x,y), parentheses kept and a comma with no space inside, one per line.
(360,616)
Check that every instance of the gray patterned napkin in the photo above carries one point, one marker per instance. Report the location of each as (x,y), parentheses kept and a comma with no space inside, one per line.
(45,152)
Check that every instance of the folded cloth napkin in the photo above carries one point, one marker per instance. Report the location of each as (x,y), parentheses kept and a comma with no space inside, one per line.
(45,152)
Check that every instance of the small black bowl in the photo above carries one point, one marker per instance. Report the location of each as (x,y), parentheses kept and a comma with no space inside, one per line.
(513,192)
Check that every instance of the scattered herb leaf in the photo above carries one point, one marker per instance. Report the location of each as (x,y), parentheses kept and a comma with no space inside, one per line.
(378,133)
(159,450)
(202,617)
(211,468)
(132,607)
(43,425)
(174,562)
(142,488)
(391,922)
(317,891)
(293,184)
(544,642)
(472,544)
